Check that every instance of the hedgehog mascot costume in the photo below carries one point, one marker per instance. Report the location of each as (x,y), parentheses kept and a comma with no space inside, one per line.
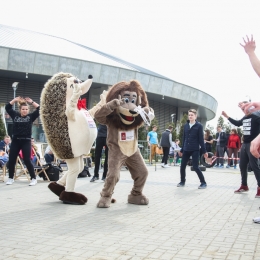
(69,128)
(126,109)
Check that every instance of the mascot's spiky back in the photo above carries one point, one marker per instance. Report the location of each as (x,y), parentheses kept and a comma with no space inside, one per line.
(53,117)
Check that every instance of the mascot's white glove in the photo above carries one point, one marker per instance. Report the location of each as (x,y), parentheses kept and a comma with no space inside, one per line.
(146,113)
(101,103)
(70,110)
(151,114)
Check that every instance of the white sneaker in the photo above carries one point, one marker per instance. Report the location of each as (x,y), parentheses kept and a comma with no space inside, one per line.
(9,181)
(166,166)
(33,182)
(162,164)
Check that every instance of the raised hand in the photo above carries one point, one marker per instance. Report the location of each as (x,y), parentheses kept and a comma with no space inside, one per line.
(27,99)
(249,45)
(249,107)
(224,114)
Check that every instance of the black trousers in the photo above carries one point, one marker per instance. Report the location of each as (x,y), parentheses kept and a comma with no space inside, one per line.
(25,146)
(195,161)
(100,143)
(245,158)
(166,151)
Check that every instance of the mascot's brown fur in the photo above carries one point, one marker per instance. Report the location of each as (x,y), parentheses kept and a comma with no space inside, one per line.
(69,128)
(122,117)
(53,101)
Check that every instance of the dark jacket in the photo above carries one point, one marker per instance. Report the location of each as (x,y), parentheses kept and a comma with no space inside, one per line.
(193,138)
(165,139)
(251,126)
(223,139)
(22,126)
(102,131)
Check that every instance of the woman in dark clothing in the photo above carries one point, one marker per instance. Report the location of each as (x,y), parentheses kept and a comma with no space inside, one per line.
(208,140)
(22,132)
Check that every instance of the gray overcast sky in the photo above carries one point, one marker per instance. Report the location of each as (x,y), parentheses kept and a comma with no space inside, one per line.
(192,42)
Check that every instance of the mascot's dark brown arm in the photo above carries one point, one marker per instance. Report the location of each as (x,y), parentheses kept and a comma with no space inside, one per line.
(105,110)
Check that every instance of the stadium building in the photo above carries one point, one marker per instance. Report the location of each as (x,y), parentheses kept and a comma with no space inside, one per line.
(31,58)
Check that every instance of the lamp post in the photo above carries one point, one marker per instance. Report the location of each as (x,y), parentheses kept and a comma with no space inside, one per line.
(15,87)
(172,116)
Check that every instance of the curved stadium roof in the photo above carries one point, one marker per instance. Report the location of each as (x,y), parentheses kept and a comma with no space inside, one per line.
(23,51)
(17,38)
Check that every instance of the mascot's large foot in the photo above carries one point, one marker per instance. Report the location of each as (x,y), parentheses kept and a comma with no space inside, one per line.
(73,198)
(56,188)
(138,200)
(105,202)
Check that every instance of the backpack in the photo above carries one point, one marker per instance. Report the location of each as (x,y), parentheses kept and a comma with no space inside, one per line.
(84,173)
(53,173)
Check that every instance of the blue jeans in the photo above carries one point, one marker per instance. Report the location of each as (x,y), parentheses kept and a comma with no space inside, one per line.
(195,163)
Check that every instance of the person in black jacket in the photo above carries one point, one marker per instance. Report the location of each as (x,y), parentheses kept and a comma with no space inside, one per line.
(166,143)
(22,132)
(101,142)
(193,140)
(251,129)
(221,140)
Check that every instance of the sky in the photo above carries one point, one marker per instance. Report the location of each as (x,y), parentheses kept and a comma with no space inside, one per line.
(192,42)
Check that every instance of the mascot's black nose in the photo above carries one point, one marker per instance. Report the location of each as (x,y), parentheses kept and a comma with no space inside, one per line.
(132,112)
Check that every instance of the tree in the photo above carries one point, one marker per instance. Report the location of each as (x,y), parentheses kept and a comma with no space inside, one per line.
(221,121)
(239,131)
(182,123)
(227,127)
(2,128)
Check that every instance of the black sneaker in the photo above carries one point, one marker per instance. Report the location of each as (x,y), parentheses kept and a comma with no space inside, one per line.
(94,179)
(181,184)
(202,186)
(103,179)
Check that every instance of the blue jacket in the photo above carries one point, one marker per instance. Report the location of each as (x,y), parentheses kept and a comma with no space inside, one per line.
(193,138)
(2,145)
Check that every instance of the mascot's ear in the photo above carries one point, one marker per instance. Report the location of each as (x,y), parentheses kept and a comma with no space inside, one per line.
(139,101)
(86,85)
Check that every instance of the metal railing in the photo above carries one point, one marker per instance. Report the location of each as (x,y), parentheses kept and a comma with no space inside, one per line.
(144,149)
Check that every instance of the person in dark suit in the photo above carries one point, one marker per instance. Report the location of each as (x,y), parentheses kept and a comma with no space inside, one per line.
(101,142)
(221,140)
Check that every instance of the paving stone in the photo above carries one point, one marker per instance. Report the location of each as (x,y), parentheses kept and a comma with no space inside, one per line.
(179,223)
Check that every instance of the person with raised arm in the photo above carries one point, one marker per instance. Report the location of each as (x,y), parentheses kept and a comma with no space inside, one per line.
(251,129)
(22,132)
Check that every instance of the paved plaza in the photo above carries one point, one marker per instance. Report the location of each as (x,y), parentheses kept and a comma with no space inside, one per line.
(179,223)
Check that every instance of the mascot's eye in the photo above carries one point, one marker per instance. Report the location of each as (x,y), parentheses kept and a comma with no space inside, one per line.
(133,101)
(126,100)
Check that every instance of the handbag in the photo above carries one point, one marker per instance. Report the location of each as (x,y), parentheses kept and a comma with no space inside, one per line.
(159,150)
(84,173)
(53,173)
